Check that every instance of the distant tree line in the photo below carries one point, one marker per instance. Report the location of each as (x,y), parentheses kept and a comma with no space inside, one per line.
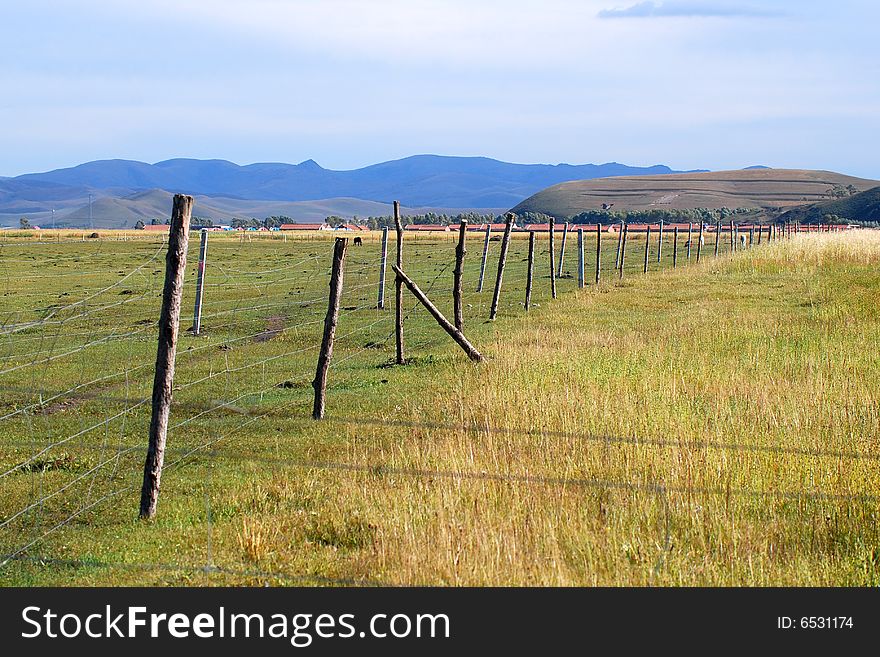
(655,215)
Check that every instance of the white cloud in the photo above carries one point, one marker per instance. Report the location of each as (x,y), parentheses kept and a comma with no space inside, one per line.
(689,9)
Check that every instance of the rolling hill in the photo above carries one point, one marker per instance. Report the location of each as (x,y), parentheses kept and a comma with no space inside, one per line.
(863,207)
(758,188)
(124,212)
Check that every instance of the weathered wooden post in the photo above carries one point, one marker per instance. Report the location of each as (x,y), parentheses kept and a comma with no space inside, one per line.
(619,245)
(580,257)
(623,249)
(751,236)
(598,252)
(732,243)
(398,288)
(460,251)
(330,321)
(760,232)
(690,238)
(169,324)
(485,255)
(674,247)
(453,332)
(647,247)
(660,243)
(553,258)
(562,249)
(200,282)
(717,236)
(383,265)
(700,242)
(502,259)
(530,271)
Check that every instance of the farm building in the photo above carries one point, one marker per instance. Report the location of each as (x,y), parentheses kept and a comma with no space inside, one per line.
(162,228)
(306,227)
(427,228)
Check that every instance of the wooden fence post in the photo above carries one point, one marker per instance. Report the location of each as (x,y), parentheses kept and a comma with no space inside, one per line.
(460,251)
(485,255)
(562,249)
(619,245)
(580,257)
(717,236)
(598,252)
(760,232)
(398,288)
(163,379)
(751,237)
(200,282)
(530,271)
(623,249)
(674,247)
(660,243)
(330,321)
(700,242)
(732,243)
(690,238)
(553,258)
(502,259)
(383,265)
(453,332)
(647,246)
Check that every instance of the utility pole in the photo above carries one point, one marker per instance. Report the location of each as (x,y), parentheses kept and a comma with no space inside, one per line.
(91,223)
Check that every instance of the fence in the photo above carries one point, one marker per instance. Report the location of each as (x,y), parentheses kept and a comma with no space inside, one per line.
(78,376)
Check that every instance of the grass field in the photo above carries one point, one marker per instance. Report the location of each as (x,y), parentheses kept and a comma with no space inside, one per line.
(717,424)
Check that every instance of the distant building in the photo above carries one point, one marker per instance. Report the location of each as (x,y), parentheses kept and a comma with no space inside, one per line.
(306,227)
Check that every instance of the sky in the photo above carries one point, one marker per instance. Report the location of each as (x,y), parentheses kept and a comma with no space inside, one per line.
(688,83)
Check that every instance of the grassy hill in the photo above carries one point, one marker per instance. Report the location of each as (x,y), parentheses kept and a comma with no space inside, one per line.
(862,208)
(748,188)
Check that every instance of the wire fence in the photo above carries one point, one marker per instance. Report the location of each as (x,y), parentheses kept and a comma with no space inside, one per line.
(76,375)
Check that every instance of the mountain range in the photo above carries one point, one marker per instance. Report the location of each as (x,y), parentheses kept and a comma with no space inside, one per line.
(125,191)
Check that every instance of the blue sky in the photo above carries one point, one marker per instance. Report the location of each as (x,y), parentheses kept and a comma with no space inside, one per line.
(689,83)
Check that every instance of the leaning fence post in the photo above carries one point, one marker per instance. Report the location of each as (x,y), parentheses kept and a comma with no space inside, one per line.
(580,257)
(330,321)
(200,282)
(460,251)
(398,288)
(674,247)
(647,246)
(598,252)
(553,258)
(453,332)
(502,259)
(562,249)
(485,255)
(623,249)
(660,242)
(530,271)
(163,379)
(383,265)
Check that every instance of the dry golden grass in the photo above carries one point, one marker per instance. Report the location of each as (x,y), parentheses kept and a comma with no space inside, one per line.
(740,370)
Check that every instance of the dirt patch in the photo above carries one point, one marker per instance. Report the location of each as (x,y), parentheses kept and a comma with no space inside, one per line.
(274,326)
